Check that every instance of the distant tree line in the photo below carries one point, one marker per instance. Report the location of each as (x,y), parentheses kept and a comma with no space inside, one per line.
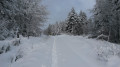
(75,24)
(56,29)
(103,24)
(21,17)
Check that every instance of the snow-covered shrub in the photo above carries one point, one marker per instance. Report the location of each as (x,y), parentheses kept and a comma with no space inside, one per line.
(92,36)
(7,48)
(106,51)
(103,37)
(18,57)
(16,42)
(1,51)
(11,50)
(4,49)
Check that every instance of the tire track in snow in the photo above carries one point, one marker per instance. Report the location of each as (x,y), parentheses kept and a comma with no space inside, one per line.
(54,54)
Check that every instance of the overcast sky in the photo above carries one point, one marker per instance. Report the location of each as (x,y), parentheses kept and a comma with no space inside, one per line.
(59,9)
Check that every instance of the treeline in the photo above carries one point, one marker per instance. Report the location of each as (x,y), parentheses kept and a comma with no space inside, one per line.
(75,24)
(21,17)
(103,24)
(107,19)
(55,29)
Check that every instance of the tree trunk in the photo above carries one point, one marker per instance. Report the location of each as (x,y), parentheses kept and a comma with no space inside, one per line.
(17,35)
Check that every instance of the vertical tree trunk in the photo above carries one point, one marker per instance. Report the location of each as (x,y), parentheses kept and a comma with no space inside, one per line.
(17,35)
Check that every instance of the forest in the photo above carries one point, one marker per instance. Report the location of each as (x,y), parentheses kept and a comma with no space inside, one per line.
(26,17)
(88,38)
(103,24)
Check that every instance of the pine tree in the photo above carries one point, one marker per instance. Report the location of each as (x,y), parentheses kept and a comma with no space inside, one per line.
(83,22)
(71,21)
(82,17)
(90,26)
(48,31)
(62,26)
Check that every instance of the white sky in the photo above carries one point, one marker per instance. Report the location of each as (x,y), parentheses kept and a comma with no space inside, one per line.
(59,9)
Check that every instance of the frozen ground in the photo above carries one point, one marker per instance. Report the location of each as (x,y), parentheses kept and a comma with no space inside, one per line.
(63,51)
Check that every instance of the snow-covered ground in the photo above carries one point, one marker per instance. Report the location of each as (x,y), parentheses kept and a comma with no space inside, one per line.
(62,51)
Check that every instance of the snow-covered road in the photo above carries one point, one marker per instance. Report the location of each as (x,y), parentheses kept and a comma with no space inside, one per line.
(62,51)
(74,52)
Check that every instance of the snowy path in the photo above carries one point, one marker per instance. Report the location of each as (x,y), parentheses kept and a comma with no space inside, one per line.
(61,51)
(74,53)
(54,54)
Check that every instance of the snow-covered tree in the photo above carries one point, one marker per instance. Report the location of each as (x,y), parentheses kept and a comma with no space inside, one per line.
(82,17)
(31,17)
(7,11)
(77,24)
(83,22)
(56,29)
(24,17)
(62,25)
(106,19)
(90,26)
(48,31)
(115,27)
(71,21)
(102,17)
